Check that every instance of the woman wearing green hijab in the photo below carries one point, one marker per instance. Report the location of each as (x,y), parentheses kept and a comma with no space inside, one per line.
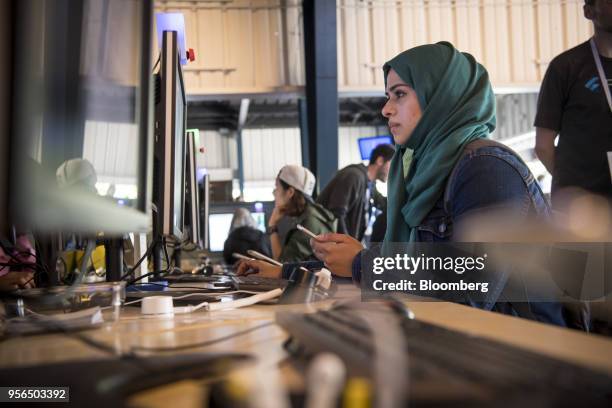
(440,105)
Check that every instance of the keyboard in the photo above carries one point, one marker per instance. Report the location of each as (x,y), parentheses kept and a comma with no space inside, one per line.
(249,282)
(258,283)
(448,367)
(221,280)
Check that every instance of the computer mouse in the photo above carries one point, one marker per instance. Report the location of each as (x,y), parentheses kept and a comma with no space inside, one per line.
(206,270)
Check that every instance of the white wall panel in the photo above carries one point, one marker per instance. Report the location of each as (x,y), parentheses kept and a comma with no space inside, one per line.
(348,147)
(240,43)
(111,148)
(265,151)
(219,150)
(514,39)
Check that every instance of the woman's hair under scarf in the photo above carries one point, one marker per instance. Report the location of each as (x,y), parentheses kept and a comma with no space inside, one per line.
(458,107)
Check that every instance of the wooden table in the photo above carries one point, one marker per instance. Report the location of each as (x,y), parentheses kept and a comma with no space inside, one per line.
(266,343)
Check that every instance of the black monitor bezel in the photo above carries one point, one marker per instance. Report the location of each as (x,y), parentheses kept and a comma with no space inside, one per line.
(165,140)
(193,191)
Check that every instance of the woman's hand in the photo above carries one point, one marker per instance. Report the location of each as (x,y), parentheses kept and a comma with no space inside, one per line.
(275,217)
(337,251)
(16,280)
(261,268)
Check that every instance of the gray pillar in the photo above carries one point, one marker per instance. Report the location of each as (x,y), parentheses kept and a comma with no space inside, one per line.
(321,88)
(303,118)
(240,162)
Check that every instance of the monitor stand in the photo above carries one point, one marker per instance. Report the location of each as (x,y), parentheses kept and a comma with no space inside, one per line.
(113,248)
(158,256)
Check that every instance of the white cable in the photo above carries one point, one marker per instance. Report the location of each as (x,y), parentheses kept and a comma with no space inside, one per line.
(261,297)
(155,304)
(249,292)
(251,300)
(129,303)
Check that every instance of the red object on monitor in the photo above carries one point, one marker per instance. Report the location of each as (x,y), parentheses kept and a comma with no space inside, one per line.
(191,54)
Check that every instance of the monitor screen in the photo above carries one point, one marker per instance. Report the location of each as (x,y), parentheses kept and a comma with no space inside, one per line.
(169,150)
(180,106)
(80,128)
(367,144)
(204,196)
(192,199)
(218,229)
(260,219)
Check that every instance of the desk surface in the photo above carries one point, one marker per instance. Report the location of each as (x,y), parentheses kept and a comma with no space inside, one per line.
(266,343)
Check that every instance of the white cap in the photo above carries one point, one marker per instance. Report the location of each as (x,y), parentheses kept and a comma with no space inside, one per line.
(298,177)
(76,172)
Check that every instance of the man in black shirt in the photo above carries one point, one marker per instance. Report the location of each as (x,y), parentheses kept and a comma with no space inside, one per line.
(349,193)
(573,104)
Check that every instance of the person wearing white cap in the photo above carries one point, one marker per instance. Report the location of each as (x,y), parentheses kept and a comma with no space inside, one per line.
(293,198)
(77,173)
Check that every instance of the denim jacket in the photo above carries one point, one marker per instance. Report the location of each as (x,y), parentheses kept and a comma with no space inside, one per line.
(488,176)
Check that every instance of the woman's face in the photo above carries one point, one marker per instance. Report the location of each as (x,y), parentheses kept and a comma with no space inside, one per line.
(281,196)
(402,108)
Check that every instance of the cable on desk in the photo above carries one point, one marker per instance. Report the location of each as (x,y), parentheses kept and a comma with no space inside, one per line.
(37,267)
(146,275)
(137,264)
(178,287)
(204,343)
(249,292)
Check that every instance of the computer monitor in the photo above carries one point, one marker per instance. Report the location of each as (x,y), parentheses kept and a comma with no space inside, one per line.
(367,144)
(260,219)
(219,226)
(192,194)
(204,187)
(169,166)
(80,120)
(220,221)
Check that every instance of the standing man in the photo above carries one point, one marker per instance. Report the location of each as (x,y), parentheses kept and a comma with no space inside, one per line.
(349,193)
(575,103)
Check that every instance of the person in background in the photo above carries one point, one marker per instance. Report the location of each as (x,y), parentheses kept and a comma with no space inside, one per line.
(77,174)
(293,198)
(574,104)
(243,236)
(349,195)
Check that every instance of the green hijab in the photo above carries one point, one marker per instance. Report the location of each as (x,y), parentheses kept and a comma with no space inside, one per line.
(458,107)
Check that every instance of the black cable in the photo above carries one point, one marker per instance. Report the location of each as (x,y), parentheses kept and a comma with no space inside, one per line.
(181,287)
(166,254)
(167,270)
(19,262)
(34,266)
(137,264)
(146,275)
(8,251)
(204,343)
